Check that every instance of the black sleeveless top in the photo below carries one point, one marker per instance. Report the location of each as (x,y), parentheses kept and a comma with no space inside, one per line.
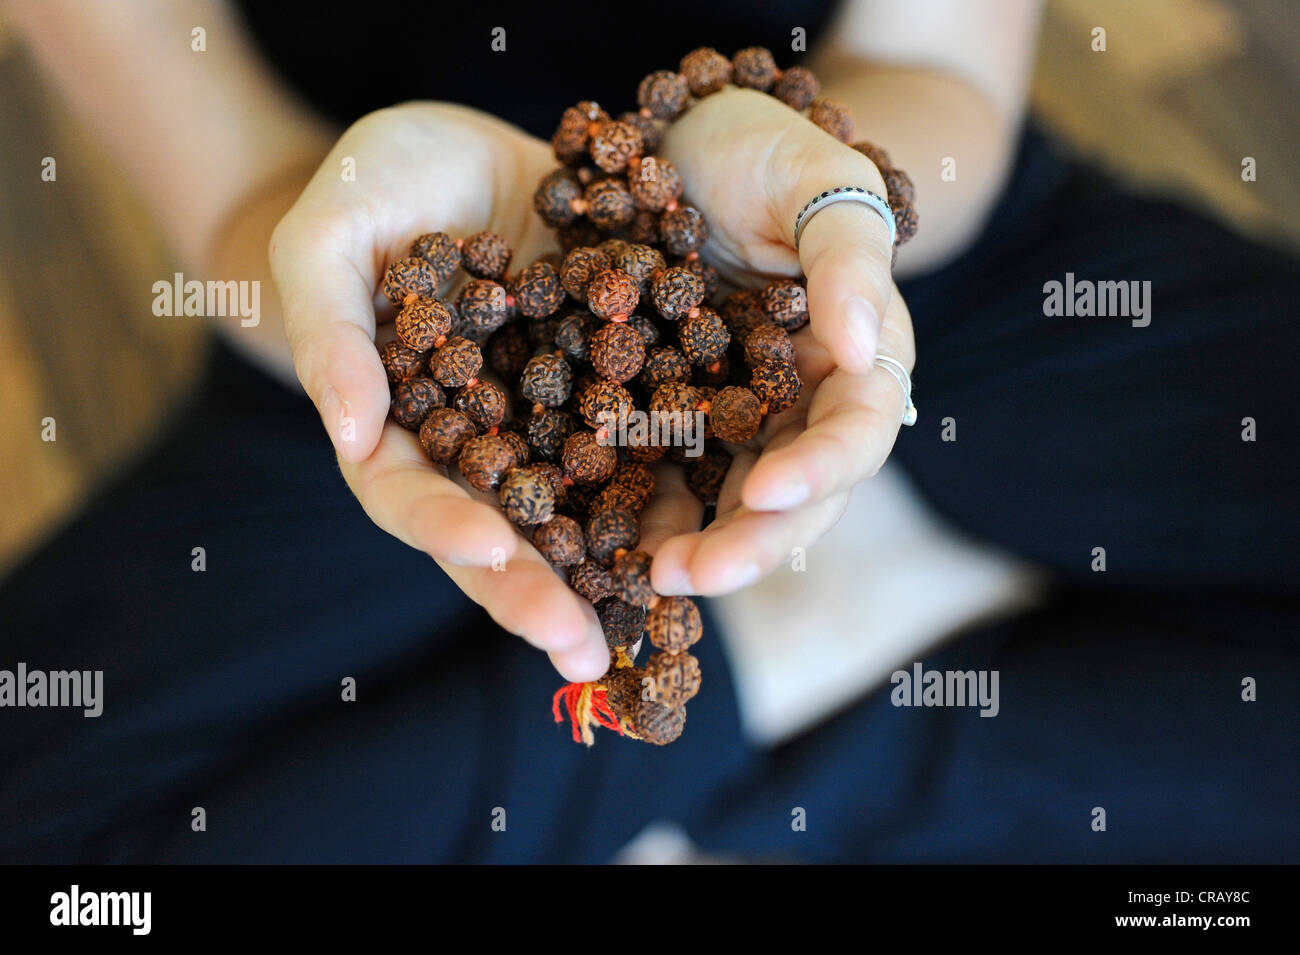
(352,59)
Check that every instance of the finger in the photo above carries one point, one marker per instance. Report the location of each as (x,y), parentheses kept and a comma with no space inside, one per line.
(844,248)
(673,510)
(326,290)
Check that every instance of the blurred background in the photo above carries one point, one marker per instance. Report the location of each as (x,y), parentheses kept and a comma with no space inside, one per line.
(1183,83)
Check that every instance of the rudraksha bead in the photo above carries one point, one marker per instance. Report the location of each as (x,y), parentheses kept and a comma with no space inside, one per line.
(547,380)
(484,461)
(776,384)
(753,67)
(612,294)
(676,677)
(621,621)
(635,476)
(586,460)
(615,144)
(648,329)
(526,497)
(439,250)
(604,403)
(519,449)
(537,291)
(706,70)
(673,397)
(413,399)
(482,304)
(735,414)
(905,222)
(422,323)
(609,204)
(617,497)
(555,197)
(612,246)
(617,351)
(560,541)
(663,93)
(898,186)
(768,343)
(640,262)
(591,580)
(580,266)
(574,132)
(547,431)
(743,311)
(483,403)
(834,117)
(658,724)
(631,578)
(410,276)
(663,365)
(705,474)
(643,448)
(486,255)
(456,362)
(683,230)
(400,362)
(785,302)
(675,291)
(707,273)
(609,531)
(623,691)
(651,135)
(573,337)
(643,228)
(673,624)
(444,433)
(878,156)
(797,88)
(704,337)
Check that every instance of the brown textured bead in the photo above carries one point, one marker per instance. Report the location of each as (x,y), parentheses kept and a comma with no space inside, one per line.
(555,197)
(400,362)
(683,230)
(609,531)
(486,255)
(705,474)
(777,384)
(642,448)
(735,414)
(574,132)
(617,497)
(674,397)
(878,156)
(905,221)
(675,291)
(615,144)
(439,250)
(580,266)
(640,262)
(547,380)
(484,461)
(482,304)
(537,291)
(621,621)
(676,677)
(591,580)
(898,186)
(785,302)
(643,228)
(617,351)
(609,204)
(631,578)
(444,434)
(658,724)
(604,403)
(674,624)
(586,460)
(635,476)
(613,294)
(573,337)
(768,343)
(797,88)
(743,312)
(483,403)
(413,399)
(646,326)
(526,497)
(706,70)
(663,93)
(612,246)
(663,365)
(707,274)
(623,690)
(410,276)
(422,322)
(560,541)
(704,337)
(834,117)
(655,184)
(508,352)
(456,362)
(753,67)
(547,431)
(651,135)
(519,449)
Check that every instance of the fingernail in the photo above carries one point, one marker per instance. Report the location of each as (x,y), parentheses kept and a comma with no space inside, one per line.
(678,584)
(863,325)
(339,423)
(786,497)
(741,576)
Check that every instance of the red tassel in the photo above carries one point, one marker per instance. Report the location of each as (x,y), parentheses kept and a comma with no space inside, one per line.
(586,704)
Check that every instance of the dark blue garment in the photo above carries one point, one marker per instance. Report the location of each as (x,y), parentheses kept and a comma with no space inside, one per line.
(223,688)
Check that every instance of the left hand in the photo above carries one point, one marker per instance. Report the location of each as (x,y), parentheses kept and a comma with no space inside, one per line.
(750,164)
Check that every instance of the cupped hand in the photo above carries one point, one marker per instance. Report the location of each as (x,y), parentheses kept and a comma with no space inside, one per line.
(751,163)
(396,174)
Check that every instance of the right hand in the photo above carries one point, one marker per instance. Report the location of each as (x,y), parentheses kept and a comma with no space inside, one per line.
(420,167)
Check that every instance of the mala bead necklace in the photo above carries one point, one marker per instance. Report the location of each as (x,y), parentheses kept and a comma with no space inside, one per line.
(626,319)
